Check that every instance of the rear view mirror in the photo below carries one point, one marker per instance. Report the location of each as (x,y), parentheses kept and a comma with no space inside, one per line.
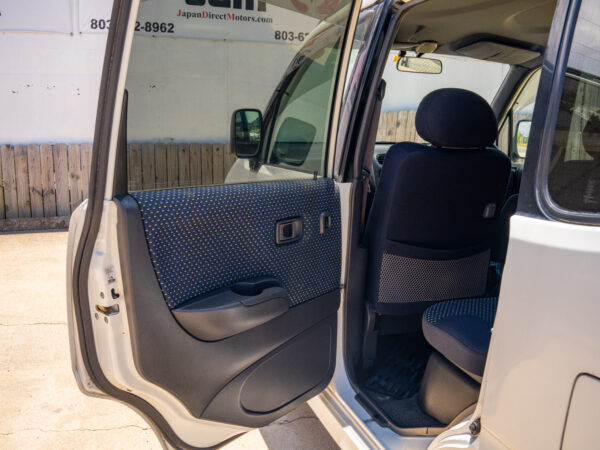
(522,137)
(246,129)
(416,64)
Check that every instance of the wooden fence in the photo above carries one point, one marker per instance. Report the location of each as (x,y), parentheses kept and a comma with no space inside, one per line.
(159,166)
(41,182)
(398,126)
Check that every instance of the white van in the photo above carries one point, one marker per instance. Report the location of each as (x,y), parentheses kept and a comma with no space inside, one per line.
(431,285)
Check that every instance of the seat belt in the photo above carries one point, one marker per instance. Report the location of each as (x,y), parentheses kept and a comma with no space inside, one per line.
(368,156)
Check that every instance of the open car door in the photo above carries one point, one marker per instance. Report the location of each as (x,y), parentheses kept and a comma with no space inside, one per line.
(205,302)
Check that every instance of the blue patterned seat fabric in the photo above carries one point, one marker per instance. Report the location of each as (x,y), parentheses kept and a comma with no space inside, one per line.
(205,238)
(461,330)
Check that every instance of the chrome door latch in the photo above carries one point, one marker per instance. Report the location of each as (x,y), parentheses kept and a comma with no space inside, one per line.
(288,230)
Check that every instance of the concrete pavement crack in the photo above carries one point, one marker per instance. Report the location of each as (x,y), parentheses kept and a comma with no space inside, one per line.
(289,421)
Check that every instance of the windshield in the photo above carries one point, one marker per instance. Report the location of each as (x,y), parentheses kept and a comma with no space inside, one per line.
(405,90)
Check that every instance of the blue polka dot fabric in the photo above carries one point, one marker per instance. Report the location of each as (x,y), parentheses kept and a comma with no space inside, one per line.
(205,238)
(483,308)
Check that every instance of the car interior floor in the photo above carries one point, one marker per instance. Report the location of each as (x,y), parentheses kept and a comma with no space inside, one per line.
(393,382)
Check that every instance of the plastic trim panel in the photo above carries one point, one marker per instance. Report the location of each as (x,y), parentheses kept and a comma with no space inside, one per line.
(192,370)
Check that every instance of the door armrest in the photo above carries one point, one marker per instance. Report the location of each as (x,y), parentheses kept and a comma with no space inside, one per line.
(233,310)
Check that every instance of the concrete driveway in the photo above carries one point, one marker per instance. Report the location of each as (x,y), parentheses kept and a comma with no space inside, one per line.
(40,404)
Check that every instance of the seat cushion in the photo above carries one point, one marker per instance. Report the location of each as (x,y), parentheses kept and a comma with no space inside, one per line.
(461,330)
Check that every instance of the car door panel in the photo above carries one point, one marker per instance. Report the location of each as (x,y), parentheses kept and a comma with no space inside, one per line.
(254,376)
(160,278)
(205,238)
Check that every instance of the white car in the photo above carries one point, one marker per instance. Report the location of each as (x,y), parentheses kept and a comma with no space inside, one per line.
(437,290)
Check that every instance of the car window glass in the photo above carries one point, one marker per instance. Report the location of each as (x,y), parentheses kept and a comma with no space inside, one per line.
(298,134)
(277,60)
(574,173)
(522,112)
(404,91)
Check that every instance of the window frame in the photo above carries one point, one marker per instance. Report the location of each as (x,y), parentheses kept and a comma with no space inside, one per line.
(507,118)
(544,199)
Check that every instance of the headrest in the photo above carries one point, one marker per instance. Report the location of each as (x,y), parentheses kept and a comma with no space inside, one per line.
(456,119)
(590,138)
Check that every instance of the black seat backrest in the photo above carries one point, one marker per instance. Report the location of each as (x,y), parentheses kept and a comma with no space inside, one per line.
(433,218)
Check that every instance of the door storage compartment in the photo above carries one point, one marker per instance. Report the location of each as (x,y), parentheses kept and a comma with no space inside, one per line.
(292,373)
(289,372)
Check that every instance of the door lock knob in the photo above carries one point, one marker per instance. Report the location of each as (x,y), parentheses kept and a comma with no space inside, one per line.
(325,223)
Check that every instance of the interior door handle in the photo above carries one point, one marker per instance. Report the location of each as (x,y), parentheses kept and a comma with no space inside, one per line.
(288,230)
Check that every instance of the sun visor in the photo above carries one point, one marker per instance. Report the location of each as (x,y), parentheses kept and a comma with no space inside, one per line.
(493,51)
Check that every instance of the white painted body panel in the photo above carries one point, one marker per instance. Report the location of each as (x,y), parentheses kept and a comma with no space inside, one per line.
(546,331)
(582,419)
(82,378)
(545,335)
